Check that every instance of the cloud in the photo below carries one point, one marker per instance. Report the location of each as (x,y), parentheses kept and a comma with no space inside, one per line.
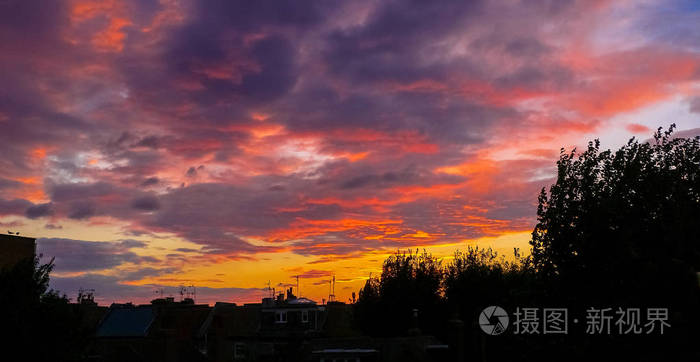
(186,250)
(81,256)
(385,178)
(109,289)
(146,203)
(192,171)
(150,181)
(695,105)
(5,183)
(312,274)
(15,206)
(81,210)
(326,129)
(638,128)
(40,210)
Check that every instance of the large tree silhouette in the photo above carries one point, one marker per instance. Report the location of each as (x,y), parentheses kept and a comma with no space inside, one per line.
(622,229)
(623,219)
(616,230)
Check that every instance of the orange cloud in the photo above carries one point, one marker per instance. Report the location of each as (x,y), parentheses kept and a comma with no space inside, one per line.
(303,228)
(638,128)
(112,36)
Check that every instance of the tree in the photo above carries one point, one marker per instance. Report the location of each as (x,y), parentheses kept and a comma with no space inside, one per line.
(608,212)
(37,322)
(478,278)
(621,229)
(408,281)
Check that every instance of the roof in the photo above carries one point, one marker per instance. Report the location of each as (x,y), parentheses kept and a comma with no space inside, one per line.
(126,322)
(184,320)
(350,350)
(301,300)
(15,249)
(232,320)
(339,321)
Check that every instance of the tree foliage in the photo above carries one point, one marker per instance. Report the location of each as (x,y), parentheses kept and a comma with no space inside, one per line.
(616,230)
(36,321)
(409,280)
(623,225)
(480,277)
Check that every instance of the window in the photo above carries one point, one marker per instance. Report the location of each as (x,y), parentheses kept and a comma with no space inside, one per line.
(281,317)
(304,316)
(240,351)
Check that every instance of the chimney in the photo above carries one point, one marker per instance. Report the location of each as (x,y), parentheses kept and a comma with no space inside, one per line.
(414,330)
(290,295)
(456,337)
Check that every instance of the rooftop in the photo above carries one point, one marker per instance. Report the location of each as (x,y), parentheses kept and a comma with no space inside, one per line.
(127,321)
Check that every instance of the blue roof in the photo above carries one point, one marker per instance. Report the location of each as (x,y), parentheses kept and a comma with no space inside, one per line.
(126,322)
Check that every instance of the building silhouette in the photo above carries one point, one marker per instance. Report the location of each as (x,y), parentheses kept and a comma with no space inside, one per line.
(15,248)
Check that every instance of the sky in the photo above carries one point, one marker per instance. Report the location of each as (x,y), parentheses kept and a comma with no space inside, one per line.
(148,144)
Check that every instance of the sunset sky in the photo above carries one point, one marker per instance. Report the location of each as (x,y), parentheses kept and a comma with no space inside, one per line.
(225,144)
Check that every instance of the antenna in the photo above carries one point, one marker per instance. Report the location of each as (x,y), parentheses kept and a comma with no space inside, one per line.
(188,292)
(298,292)
(86,296)
(331,295)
